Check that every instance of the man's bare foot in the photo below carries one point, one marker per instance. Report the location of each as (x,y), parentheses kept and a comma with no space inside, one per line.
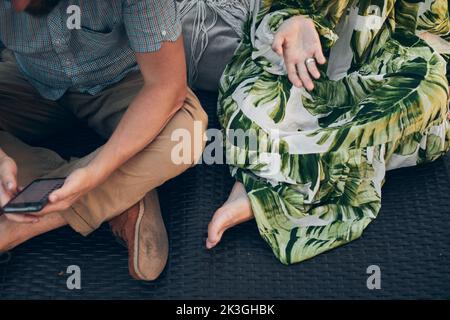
(13,234)
(236,210)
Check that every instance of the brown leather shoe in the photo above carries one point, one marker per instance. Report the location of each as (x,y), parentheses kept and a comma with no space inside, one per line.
(142,228)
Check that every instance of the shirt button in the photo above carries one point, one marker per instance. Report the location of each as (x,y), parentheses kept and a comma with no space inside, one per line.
(164,33)
(68,62)
(58,42)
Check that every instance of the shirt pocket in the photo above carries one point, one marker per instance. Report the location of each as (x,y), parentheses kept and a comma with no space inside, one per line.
(100,43)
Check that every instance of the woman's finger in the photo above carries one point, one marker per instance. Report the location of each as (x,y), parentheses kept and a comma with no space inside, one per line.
(277,45)
(318,55)
(293,75)
(22,218)
(304,76)
(312,68)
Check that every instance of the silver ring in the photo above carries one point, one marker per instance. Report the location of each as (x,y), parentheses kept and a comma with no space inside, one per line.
(310,60)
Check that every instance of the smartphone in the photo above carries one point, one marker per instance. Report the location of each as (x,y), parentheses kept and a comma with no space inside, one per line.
(34,197)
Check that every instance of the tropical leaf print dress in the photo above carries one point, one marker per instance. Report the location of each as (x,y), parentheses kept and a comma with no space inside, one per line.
(314,175)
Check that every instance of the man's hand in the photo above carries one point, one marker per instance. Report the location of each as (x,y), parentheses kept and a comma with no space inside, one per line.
(9,188)
(298,42)
(77,184)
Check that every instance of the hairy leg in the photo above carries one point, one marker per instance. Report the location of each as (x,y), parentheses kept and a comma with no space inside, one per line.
(13,234)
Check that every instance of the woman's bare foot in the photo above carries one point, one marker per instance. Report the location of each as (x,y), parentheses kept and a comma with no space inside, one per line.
(13,233)
(236,210)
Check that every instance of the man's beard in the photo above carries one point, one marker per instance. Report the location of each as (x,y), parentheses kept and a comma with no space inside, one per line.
(39,8)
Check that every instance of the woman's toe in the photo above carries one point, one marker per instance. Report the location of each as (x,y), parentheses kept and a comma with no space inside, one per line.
(213,239)
(210,244)
(216,229)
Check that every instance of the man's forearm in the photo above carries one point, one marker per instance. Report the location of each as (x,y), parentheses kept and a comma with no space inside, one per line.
(147,115)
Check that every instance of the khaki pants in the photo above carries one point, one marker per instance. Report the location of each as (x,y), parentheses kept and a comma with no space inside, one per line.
(26,116)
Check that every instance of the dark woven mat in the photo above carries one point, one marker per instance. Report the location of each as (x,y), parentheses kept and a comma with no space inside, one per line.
(409,242)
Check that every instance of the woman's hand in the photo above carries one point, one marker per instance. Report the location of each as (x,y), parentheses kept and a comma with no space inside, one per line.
(298,42)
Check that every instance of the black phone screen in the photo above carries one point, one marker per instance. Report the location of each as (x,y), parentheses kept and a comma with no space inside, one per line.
(37,192)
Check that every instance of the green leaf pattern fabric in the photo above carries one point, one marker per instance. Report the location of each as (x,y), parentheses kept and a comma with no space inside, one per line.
(315,174)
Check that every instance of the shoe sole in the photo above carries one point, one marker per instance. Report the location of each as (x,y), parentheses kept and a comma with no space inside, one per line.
(146,204)
(137,227)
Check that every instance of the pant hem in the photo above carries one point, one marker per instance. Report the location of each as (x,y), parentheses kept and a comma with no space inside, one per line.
(76,221)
